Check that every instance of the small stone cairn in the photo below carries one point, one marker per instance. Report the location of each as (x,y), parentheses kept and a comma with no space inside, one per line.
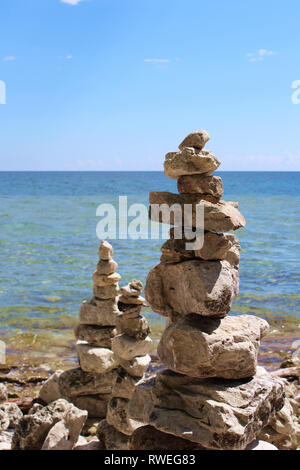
(131,346)
(212,395)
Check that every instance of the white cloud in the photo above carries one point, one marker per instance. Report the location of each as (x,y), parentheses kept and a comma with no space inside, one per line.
(260,55)
(157,61)
(69,57)
(9,58)
(71,2)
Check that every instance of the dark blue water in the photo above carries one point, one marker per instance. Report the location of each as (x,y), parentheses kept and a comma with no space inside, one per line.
(49,247)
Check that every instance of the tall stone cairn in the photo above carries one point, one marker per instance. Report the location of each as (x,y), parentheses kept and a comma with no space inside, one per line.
(131,346)
(211,394)
(89,386)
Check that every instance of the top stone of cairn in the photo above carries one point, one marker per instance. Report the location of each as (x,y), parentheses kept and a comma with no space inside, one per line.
(106,251)
(196,139)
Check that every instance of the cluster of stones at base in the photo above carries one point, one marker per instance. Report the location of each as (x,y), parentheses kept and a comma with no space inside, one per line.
(211,395)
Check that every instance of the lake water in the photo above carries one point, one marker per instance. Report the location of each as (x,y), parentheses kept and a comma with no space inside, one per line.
(49,250)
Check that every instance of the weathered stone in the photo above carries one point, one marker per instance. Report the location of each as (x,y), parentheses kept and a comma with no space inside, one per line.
(4,421)
(219,216)
(149,438)
(92,314)
(117,416)
(201,184)
(137,367)
(50,391)
(133,289)
(124,385)
(216,246)
(106,251)
(190,161)
(111,438)
(13,413)
(208,347)
(64,434)
(106,292)
(6,440)
(106,280)
(127,347)
(107,267)
(129,310)
(260,445)
(132,300)
(32,429)
(206,288)
(95,405)
(94,444)
(217,414)
(196,139)
(3,393)
(100,336)
(99,360)
(136,327)
(76,382)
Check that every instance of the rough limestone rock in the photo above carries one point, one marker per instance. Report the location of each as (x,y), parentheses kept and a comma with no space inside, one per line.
(95,405)
(201,184)
(4,421)
(206,288)
(216,246)
(104,280)
(106,251)
(98,360)
(111,437)
(13,413)
(190,161)
(132,300)
(217,414)
(50,391)
(136,327)
(219,216)
(138,366)
(260,445)
(6,440)
(107,267)
(208,347)
(117,416)
(94,444)
(3,393)
(149,438)
(64,434)
(124,385)
(92,314)
(76,382)
(196,139)
(106,292)
(133,289)
(128,348)
(32,429)
(99,336)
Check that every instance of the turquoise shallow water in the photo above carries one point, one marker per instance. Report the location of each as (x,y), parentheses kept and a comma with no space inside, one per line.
(49,252)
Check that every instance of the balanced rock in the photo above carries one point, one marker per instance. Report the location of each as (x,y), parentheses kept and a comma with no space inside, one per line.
(196,139)
(50,390)
(76,382)
(201,184)
(124,385)
(117,416)
(104,313)
(217,414)
(206,288)
(127,347)
(207,347)
(92,359)
(219,216)
(106,251)
(111,437)
(216,246)
(106,280)
(136,327)
(137,366)
(95,405)
(100,336)
(133,289)
(190,161)
(149,438)
(106,292)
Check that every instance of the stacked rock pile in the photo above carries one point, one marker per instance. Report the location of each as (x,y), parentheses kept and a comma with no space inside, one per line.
(131,346)
(210,393)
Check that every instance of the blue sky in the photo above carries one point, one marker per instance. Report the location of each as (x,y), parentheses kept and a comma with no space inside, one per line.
(115,84)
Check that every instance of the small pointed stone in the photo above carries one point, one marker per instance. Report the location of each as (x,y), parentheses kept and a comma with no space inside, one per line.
(196,139)
(106,251)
